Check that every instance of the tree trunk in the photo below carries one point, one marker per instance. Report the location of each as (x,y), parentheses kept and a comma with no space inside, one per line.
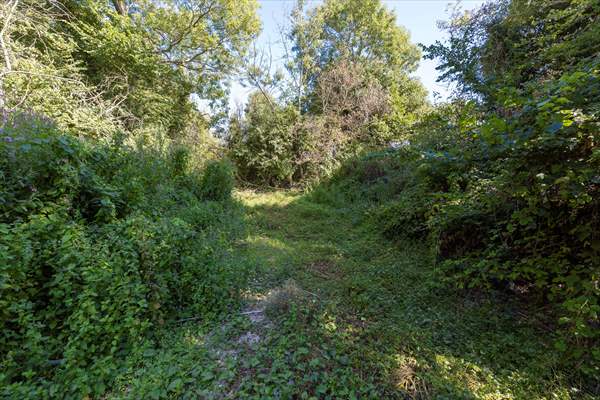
(7,13)
(120,6)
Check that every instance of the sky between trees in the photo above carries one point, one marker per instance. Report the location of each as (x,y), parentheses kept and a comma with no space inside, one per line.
(420,17)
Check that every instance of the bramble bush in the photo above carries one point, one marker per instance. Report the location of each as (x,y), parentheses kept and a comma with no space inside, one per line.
(101,246)
(529,214)
(513,205)
(504,181)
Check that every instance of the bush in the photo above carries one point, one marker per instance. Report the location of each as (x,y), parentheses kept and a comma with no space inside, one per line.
(263,144)
(406,217)
(217,181)
(100,246)
(537,207)
(276,144)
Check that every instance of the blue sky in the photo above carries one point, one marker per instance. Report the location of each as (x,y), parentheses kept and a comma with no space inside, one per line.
(418,16)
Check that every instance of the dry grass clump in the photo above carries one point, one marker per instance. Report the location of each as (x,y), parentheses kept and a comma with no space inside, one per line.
(406,379)
(288,297)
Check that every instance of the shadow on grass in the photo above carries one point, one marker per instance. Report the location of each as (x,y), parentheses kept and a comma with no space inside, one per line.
(380,306)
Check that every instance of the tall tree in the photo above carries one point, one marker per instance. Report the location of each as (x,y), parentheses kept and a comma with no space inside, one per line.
(513,43)
(138,60)
(39,73)
(163,51)
(361,32)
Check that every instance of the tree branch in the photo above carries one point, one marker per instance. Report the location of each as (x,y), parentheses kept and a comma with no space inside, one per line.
(120,6)
(3,44)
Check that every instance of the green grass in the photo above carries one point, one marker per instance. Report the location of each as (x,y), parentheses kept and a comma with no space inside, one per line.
(358,317)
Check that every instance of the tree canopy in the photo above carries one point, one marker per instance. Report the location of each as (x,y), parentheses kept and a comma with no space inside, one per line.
(516,43)
(350,79)
(145,56)
(360,31)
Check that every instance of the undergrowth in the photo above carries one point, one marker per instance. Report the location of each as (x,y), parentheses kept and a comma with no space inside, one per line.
(373,315)
(102,246)
(506,203)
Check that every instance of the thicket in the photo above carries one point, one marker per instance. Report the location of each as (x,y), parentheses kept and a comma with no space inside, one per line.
(348,87)
(503,183)
(114,221)
(102,245)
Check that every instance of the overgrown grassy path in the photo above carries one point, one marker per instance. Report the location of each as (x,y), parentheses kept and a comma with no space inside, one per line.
(379,303)
(335,311)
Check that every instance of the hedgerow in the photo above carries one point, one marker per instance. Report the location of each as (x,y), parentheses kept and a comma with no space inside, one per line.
(101,246)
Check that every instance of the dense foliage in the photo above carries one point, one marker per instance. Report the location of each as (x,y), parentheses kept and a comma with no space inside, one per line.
(349,86)
(505,186)
(114,221)
(274,144)
(97,67)
(360,32)
(262,142)
(529,181)
(515,44)
(116,210)
(101,246)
